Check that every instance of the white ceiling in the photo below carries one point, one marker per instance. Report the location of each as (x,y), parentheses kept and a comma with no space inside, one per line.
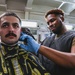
(39,7)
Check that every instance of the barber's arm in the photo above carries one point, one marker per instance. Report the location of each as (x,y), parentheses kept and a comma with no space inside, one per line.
(62,58)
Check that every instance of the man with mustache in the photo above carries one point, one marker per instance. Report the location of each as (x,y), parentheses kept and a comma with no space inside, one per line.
(57,53)
(13,59)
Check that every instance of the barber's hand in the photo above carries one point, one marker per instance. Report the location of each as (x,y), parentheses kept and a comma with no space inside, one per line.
(31,45)
(23,36)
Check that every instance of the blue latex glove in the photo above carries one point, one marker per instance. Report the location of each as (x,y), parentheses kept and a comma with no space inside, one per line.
(31,45)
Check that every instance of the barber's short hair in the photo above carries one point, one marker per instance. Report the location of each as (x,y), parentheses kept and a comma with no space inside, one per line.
(55,11)
(10,14)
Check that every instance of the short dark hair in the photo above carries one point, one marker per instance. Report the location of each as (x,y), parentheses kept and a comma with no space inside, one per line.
(27,31)
(10,14)
(55,11)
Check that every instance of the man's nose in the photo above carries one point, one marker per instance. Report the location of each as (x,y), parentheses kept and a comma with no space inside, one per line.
(11,28)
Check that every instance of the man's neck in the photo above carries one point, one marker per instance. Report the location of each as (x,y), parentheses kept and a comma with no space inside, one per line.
(8,44)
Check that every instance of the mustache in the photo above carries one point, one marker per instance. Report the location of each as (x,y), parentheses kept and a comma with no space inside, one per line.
(10,34)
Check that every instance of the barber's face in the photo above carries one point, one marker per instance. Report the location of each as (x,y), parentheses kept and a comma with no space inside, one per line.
(54,23)
(10,29)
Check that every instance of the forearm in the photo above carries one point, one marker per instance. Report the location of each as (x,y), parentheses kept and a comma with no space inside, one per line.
(61,58)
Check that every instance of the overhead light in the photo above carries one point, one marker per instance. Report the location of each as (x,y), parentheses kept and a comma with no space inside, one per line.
(61,5)
(29,24)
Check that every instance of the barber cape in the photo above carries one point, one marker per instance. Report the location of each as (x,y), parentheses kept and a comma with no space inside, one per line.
(16,61)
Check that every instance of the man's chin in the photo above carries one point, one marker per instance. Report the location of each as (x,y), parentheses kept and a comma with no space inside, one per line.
(10,43)
(56,32)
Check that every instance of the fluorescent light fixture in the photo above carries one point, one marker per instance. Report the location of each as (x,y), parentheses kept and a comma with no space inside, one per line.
(69,27)
(29,24)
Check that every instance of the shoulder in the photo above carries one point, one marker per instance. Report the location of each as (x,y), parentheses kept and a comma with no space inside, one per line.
(71,32)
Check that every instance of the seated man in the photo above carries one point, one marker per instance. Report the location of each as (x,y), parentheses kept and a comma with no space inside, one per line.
(13,59)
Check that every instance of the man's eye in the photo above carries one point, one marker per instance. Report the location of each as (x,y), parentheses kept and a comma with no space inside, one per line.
(52,20)
(5,25)
(15,25)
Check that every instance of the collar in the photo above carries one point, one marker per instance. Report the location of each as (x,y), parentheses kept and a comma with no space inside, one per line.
(9,49)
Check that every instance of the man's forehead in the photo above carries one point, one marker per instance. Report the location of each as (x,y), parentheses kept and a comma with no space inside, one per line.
(49,16)
(9,18)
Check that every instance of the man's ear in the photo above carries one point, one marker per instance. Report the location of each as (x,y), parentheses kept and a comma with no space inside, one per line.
(62,18)
(21,30)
